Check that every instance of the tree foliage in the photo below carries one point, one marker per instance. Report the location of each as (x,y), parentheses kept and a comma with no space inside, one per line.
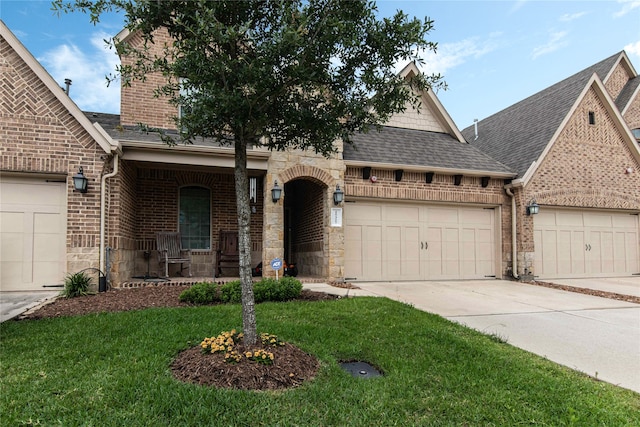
(278,73)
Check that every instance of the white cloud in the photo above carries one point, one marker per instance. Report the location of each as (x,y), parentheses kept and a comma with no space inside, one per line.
(556,41)
(627,6)
(568,17)
(633,48)
(452,55)
(87,70)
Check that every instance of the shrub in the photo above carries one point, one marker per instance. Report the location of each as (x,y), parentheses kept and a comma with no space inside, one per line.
(231,292)
(201,293)
(227,342)
(267,289)
(76,284)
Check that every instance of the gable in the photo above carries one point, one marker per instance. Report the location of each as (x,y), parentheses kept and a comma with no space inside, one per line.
(29,94)
(590,158)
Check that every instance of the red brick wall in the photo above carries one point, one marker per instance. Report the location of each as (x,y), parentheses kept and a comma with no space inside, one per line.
(39,135)
(138,103)
(148,203)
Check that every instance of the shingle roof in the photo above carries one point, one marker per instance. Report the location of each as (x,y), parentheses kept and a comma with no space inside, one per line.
(627,91)
(517,135)
(111,124)
(420,148)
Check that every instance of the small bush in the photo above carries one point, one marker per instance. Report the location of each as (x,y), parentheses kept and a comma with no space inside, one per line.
(201,293)
(267,289)
(76,284)
(231,292)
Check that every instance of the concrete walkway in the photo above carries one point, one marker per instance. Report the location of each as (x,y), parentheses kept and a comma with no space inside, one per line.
(13,304)
(597,336)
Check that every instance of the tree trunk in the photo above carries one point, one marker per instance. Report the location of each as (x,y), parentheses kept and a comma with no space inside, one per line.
(244,241)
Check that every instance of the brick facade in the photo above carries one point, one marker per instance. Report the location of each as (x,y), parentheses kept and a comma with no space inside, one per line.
(39,136)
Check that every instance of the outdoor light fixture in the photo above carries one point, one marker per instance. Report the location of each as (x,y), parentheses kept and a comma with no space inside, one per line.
(338,195)
(276,192)
(533,208)
(80,181)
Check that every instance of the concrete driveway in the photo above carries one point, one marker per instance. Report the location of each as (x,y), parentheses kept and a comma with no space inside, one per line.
(597,336)
(12,304)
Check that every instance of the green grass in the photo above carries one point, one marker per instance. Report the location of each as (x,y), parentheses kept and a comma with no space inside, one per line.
(113,370)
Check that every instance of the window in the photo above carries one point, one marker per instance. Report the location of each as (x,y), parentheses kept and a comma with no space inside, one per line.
(195,217)
(636,133)
(184,108)
(592,118)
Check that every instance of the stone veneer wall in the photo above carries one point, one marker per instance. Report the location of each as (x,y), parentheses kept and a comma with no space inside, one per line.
(290,165)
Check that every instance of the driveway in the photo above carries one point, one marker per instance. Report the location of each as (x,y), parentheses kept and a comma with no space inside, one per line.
(597,336)
(12,304)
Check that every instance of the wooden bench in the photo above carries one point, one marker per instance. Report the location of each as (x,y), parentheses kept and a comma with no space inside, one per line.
(170,251)
(227,255)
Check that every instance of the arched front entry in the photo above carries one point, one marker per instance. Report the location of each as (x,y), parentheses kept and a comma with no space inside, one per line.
(304,226)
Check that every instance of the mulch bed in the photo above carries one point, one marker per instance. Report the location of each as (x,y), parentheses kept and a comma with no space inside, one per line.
(291,366)
(602,294)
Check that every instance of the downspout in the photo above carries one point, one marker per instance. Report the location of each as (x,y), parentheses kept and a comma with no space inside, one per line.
(103,203)
(514,223)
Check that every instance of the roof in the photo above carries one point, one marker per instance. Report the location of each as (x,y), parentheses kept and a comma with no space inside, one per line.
(111,124)
(422,149)
(626,95)
(517,135)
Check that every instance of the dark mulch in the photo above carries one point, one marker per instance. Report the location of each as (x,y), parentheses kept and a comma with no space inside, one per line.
(594,292)
(131,299)
(290,368)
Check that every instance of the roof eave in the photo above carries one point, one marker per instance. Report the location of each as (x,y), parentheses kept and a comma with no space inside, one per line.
(438,170)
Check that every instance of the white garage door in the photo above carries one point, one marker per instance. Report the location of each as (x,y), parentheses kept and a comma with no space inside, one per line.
(571,243)
(32,233)
(389,241)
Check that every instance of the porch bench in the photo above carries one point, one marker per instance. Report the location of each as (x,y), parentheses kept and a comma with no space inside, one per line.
(170,251)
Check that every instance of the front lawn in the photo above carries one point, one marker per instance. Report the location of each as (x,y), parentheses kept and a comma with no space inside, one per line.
(113,370)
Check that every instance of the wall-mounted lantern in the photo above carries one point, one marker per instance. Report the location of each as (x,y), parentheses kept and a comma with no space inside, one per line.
(457,179)
(533,208)
(338,195)
(276,192)
(80,181)
(484,181)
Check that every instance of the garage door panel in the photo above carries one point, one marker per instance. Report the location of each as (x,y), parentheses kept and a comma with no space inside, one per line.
(32,233)
(585,243)
(420,242)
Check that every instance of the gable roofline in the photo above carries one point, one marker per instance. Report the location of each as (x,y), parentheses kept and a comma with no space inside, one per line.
(624,61)
(430,98)
(603,94)
(53,86)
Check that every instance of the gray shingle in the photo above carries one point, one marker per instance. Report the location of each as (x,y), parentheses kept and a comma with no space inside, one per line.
(627,91)
(420,148)
(517,135)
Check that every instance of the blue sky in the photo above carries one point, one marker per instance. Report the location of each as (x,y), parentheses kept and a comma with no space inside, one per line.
(491,53)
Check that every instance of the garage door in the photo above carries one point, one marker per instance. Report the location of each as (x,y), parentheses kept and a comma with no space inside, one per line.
(32,233)
(585,244)
(388,242)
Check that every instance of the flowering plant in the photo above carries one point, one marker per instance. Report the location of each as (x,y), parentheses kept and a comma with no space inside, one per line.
(227,342)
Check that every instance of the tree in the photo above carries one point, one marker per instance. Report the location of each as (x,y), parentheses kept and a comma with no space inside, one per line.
(278,73)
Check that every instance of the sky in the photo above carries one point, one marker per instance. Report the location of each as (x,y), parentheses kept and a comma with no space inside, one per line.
(491,53)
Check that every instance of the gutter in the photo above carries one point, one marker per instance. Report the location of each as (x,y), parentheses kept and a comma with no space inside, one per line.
(103,203)
(514,226)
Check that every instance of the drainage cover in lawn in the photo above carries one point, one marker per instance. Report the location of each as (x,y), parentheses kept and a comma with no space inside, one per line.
(360,369)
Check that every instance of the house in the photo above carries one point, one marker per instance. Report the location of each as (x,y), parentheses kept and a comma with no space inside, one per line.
(422,200)
(576,156)
(46,229)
